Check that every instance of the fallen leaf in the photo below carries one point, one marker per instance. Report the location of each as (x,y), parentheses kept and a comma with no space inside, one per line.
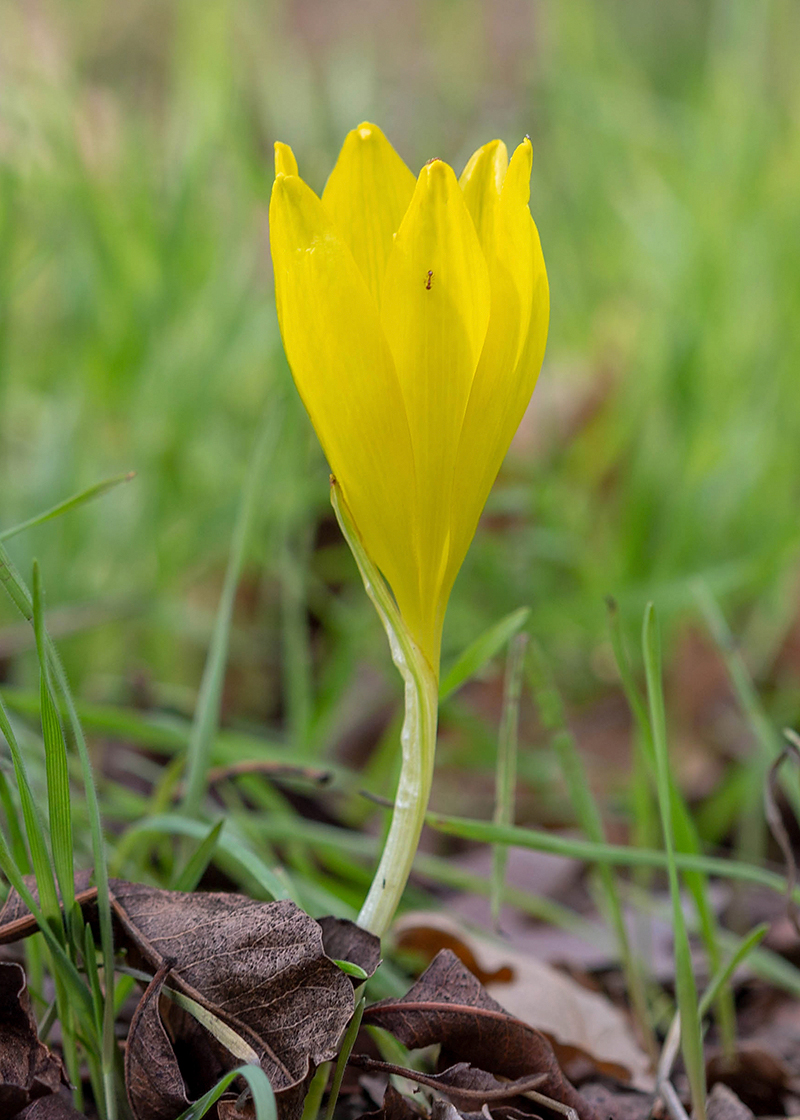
(619,1104)
(27,1068)
(230,1110)
(579,1023)
(758,1079)
(259,968)
(447,1005)
(155,1085)
(469,1088)
(723,1104)
(443,1110)
(396,1106)
(50,1108)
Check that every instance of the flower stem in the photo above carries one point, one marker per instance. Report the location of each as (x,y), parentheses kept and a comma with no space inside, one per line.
(418,738)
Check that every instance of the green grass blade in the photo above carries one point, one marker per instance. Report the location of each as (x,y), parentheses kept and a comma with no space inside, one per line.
(686,990)
(551,712)
(506,772)
(482,650)
(683,825)
(263,1097)
(19,848)
(40,857)
(295,641)
(345,1050)
(172,824)
(68,504)
(20,595)
(752,827)
(79,994)
(722,978)
(199,860)
(616,854)
(56,764)
(206,717)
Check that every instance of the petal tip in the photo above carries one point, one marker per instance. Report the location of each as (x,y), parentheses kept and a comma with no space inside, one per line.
(285,163)
(366,130)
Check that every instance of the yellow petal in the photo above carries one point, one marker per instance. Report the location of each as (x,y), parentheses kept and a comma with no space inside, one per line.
(511,359)
(285,163)
(367,194)
(344,374)
(482,181)
(434,313)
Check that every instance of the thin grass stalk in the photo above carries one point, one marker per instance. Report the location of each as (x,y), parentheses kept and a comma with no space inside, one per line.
(684,830)
(293,567)
(69,504)
(506,771)
(56,765)
(686,990)
(752,831)
(207,712)
(551,712)
(20,595)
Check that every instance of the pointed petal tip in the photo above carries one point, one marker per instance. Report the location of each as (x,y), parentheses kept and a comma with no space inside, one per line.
(520,167)
(436,171)
(285,163)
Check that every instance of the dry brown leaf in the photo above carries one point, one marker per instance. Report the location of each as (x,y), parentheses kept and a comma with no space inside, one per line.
(49,1108)
(343,940)
(723,1104)
(468,1087)
(576,1021)
(759,1080)
(28,1070)
(396,1106)
(259,967)
(448,1006)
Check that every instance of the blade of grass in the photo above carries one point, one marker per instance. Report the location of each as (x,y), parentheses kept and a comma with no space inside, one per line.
(195,868)
(80,996)
(56,765)
(721,978)
(752,826)
(20,595)
(68,504)
(171,824)
(506,773)
(483,649)
(616,854)
(684,829)
(551,711)
(296,652)
(345,1050)
(19,848)
(40,857)
(686,991)
(257,1080)
(206,717)
(167,734)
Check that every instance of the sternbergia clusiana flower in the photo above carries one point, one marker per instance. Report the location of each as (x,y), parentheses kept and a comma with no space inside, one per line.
(414,316)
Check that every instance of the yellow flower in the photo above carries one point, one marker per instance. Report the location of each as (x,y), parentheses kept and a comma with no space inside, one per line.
(414,316)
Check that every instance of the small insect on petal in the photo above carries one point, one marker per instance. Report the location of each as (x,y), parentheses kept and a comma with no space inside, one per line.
(428,280)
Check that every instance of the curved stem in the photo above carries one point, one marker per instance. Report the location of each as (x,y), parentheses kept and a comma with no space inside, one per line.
(418,738)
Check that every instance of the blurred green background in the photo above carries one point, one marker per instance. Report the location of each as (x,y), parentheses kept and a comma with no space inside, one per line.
(137,329)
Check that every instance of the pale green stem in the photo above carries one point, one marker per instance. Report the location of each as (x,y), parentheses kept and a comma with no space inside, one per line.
(418,738)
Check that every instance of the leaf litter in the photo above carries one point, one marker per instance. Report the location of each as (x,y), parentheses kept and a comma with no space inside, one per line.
(256,974)
(449,1006)
(229,979)
(28,1070)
